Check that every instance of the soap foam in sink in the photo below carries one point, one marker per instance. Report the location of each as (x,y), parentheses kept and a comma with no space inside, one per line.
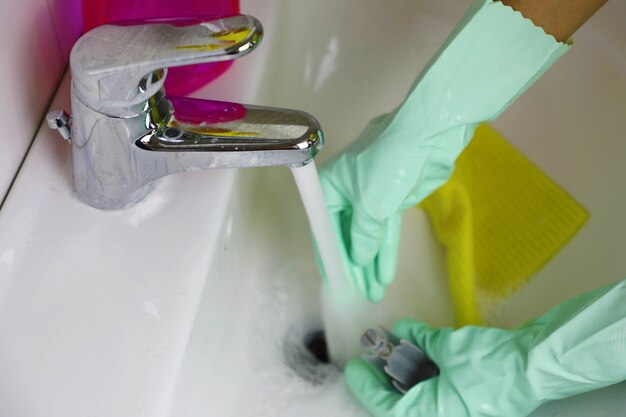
(284,380)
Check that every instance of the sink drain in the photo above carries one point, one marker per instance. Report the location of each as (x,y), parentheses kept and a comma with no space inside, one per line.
(315,343)
(306,353)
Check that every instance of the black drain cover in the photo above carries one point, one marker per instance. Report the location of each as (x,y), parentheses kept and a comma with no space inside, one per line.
(315,343)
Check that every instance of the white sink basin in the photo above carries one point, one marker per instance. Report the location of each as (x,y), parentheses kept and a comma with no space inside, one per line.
(194,302)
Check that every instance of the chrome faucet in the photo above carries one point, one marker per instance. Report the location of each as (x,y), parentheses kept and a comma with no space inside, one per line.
(126,133)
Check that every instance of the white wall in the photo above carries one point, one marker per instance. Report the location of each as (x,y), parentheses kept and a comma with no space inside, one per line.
(36,37)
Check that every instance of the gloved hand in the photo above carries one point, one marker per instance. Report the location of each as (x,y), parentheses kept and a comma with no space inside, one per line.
(490,58)
(578,346)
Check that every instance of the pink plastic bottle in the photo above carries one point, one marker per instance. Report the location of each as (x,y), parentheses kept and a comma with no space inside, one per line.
(180,80)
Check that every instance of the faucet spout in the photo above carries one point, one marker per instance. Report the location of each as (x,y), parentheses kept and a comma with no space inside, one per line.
(233,135)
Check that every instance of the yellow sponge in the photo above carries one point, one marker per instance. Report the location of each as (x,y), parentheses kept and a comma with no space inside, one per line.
(500,219)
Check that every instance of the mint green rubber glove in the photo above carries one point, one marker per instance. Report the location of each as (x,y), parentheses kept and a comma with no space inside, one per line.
(490,58)
(578,346)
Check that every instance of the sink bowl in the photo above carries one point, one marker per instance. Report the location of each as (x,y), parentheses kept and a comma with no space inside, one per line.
(196,301)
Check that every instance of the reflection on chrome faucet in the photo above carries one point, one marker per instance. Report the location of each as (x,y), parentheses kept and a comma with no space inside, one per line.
(125,132)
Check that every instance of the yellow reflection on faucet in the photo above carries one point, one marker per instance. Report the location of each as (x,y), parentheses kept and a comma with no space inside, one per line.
(211,130)
(224,39)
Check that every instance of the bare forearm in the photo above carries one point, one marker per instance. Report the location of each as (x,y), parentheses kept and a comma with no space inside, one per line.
(560,18)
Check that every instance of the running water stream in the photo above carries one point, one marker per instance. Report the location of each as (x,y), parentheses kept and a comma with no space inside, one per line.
(344,309)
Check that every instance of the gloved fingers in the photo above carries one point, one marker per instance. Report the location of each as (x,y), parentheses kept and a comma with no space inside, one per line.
(365,238)
(426,337)
(375,290)
(372,388)
(424,400)
(411,330)
(387,260)
(359,278)
(374,391)
(356,274)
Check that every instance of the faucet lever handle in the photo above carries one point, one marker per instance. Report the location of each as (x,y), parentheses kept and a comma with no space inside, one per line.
(122,65)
